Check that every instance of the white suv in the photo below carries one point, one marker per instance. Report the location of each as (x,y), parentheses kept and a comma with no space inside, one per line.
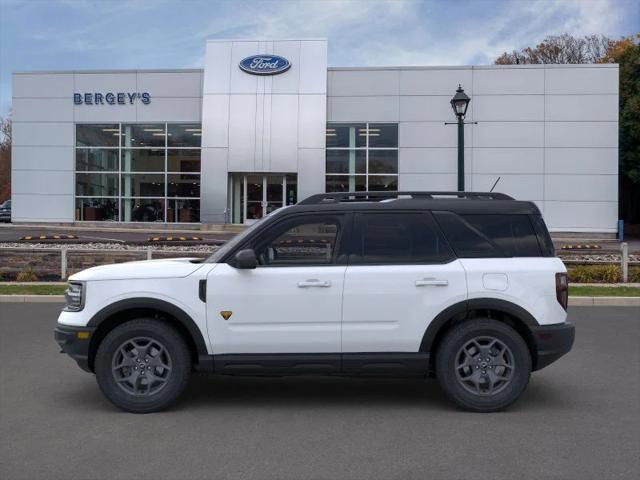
(461,286)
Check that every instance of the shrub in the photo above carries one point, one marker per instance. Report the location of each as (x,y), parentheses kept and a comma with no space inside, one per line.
(594,273)
(634,274)
(27,275)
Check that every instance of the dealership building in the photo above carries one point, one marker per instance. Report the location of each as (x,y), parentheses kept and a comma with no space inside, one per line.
(266,123)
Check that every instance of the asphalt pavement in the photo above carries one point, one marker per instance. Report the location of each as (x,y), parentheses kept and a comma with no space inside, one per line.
(579,419)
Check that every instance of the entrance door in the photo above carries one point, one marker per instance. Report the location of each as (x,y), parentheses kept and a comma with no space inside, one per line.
(254,195)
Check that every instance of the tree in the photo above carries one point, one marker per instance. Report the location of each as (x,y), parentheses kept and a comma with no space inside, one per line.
(560,49)
(5,159)
(626,53)
(600,49)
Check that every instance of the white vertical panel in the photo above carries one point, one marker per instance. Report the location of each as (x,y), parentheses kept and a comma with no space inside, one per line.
(242,132)
(313,67)
(284,133)
(215,121)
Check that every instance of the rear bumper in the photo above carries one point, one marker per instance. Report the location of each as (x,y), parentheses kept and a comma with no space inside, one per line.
(73,344)
(552,342)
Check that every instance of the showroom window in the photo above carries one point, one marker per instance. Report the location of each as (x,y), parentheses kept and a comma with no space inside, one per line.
(361,156)
(138,172)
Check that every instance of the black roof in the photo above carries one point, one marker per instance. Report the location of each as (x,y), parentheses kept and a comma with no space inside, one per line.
(458,202)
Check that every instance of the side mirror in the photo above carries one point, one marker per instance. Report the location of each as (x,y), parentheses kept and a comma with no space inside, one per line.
(246,259)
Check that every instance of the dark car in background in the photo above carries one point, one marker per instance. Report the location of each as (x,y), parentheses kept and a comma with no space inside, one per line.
(5,211)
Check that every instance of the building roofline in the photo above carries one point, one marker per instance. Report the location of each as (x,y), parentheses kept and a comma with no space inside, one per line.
(116,70)
(226,40)
(336,69)
(480,67)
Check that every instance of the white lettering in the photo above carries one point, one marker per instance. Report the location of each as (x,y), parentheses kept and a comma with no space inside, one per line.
(262,63)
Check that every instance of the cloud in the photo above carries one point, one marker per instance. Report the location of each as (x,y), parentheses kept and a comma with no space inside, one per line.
(85,34)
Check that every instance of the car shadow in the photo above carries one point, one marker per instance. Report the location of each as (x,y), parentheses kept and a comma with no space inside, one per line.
(307,392)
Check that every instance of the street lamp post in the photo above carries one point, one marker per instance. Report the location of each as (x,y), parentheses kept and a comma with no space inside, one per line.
(460,103)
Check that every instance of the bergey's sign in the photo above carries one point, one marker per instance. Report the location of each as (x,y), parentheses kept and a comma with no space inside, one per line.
(110,98)
(265,64)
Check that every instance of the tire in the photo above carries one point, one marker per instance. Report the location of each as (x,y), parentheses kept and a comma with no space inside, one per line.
(472,382)
(143,365)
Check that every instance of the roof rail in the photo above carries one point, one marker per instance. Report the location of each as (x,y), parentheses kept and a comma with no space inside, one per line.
(379,196)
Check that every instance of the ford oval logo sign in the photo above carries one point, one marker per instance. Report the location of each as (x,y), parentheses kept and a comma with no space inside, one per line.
(265,64)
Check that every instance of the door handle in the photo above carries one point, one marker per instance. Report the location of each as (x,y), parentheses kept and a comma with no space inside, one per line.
(431,282)
(314,283)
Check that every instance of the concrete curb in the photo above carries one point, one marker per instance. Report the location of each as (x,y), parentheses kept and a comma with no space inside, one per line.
(573,301)
(604,301)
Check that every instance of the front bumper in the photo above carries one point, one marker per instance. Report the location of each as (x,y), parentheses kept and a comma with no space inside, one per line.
(552,342)
(75,341)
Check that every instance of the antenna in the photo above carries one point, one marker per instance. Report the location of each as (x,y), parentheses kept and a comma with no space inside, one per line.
(494,185)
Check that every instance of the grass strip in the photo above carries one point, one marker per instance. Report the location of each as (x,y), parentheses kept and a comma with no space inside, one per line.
(599,291)
(32,289)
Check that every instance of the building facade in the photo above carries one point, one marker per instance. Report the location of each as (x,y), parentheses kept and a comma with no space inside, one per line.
(266,123)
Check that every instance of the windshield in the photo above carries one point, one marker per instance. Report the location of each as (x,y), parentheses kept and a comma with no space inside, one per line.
(238,239)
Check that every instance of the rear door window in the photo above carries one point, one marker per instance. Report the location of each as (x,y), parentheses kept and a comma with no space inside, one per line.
(398,238)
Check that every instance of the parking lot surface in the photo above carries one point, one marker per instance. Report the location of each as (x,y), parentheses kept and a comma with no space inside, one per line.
(579,419)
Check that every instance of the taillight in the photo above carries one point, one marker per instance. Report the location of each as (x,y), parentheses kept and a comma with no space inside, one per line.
(562,289)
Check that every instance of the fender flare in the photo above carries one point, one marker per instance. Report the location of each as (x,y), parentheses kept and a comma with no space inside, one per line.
(461,309)
(153,303)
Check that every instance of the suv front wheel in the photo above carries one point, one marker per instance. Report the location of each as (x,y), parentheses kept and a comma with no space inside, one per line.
(483,365)
(143,365)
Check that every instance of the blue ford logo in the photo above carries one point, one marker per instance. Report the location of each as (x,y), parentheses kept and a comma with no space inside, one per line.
(265,64)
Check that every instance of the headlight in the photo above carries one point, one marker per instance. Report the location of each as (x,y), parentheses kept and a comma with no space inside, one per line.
(74,297)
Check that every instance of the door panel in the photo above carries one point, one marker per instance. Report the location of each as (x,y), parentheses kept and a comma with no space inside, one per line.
(275,309)
(388,308)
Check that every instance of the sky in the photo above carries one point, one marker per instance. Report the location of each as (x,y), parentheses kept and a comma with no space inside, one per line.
(107,34)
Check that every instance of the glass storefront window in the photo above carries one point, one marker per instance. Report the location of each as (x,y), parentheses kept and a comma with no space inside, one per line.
(184,135)
(127,172)
(96,184)
(346,136)
(379,182)
(103,135)
(96,209)
(143,209)
(181,185)
(144,135)
(96,160)
(183,211)
(183,161)
(346,161)
(143,185)
(143,160)
(383,161)
(346,183)
(383,135)
(363,151)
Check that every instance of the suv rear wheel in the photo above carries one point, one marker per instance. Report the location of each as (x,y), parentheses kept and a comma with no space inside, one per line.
(483,365)
(143,365)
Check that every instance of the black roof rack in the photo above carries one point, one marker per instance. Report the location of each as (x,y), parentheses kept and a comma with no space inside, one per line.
(335,197)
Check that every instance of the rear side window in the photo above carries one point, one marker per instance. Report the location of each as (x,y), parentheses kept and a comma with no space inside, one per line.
(489,235)
(397,238)
(466,240)
(544,239)
(513,234)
